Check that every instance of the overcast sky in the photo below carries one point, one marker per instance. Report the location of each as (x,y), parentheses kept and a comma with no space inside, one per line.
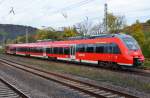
(58,13)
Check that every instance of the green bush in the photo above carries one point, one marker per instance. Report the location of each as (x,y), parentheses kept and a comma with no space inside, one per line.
(146,46)
(1,50)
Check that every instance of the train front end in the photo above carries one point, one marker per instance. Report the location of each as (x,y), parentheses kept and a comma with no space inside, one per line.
(133,51)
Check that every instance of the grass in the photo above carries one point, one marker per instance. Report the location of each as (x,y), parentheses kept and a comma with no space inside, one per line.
(147,63)
(1,50)
(99,75)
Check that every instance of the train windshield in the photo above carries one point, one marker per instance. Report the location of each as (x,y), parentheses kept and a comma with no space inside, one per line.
(131,43)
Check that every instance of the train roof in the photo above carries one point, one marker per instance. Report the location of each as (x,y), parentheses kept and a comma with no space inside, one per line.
(71,40)
(119,35)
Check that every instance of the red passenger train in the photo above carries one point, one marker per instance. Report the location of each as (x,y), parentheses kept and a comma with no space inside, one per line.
(105,50)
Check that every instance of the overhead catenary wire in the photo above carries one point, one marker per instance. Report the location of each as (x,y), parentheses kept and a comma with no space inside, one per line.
(64,11)
(72,6)
(76,5)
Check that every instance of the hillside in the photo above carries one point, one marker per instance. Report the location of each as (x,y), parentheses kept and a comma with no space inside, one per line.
(145,28)
(12,31)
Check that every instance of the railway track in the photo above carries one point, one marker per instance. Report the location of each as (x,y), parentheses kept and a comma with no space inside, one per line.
(83,87)
(9,91)
(142,72)
(136,71)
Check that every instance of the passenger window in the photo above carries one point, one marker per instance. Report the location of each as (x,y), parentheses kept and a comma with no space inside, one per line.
(56,50)
(108,48)
(81,48)
(116,49)
(66,51)
(100,48)
(60,51)
(90,48)
(40,50)
(49,50)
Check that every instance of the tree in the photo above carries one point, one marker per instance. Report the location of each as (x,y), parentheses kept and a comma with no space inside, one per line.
(137,32)
(48,34)
(9,41)
(148,21)
(4,34)
(79,26)
(42,34)
(146,48)
(115,23)
(70,32)
(97,29)
(84,27)
(22,39)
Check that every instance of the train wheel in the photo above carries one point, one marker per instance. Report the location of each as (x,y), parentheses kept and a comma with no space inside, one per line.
(106,65)
(80,61)
(101,64)
(115,66)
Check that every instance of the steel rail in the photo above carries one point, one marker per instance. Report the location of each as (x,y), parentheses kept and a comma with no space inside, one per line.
(88,88)
(12,87)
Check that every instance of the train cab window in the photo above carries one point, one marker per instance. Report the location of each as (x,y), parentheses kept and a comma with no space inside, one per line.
(131,43)
(100,48)
(90,48)
(81,48)
(66,51)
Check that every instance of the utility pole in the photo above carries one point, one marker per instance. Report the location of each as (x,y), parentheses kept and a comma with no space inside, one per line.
(27,35)
(105,18)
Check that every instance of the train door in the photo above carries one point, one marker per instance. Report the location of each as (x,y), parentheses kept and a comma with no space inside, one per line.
(73,52)
(109,52)
(44,52)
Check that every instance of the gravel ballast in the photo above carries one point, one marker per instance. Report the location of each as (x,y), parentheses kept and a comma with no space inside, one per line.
(129,83)
(35,86)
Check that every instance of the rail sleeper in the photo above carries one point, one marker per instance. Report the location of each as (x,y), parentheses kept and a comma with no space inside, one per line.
(5,91)
(70,82)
